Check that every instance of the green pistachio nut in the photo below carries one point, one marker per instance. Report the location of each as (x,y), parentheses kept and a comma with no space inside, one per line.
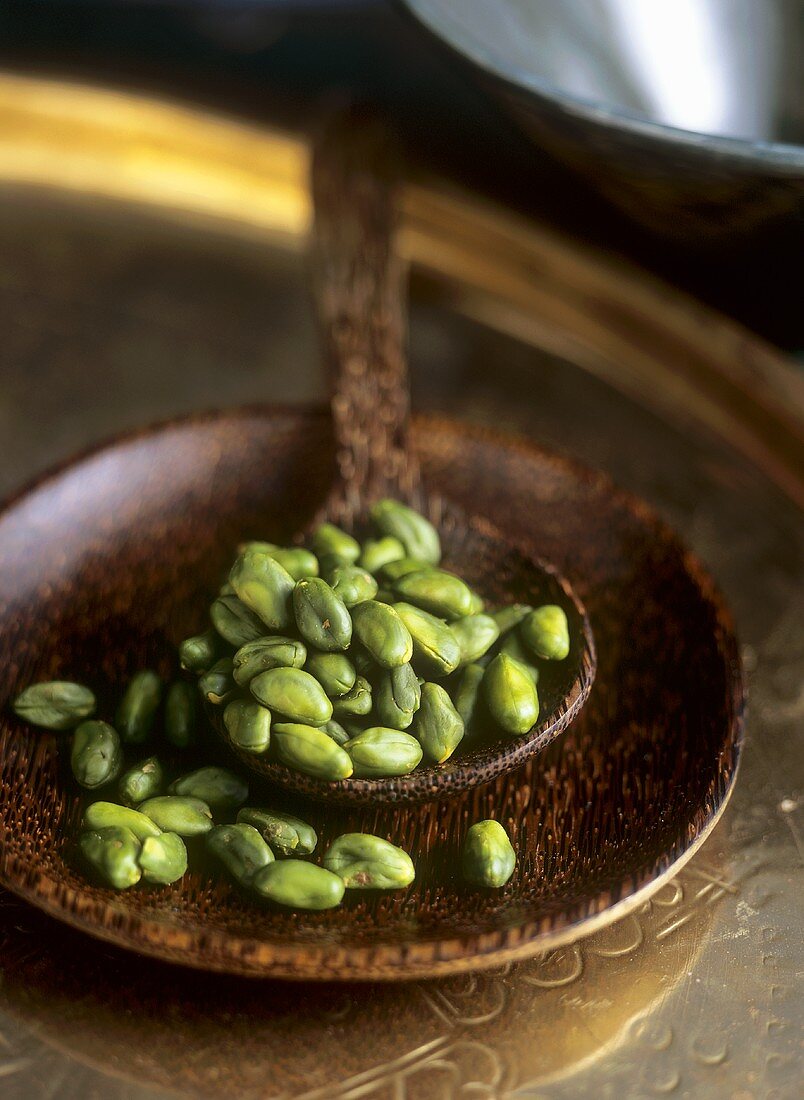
(218,684)
(397,696)
(382,633)
(437,725)
(377,553)
(545,632)
(511,616)
(163,858)
(336,731)
(434,590)
(137,709)
(236,623)
(352,584)
(476,634)
(513,647)
(198,653)
(286,834)
(298,885)
(354,703)
(310,750)
(55,705)
(297,561)
(240,849)
(379,752)
(416,534)
(144,780)
(113,852)
(176,814)
(368,862)
(331,542)
(436,652)
(220,788)
(393,570)
(334,671)
(108,815)
(294,693)
(248,725)
(511,695)
(478,603)
(322,617)
(97,755)
(466,695)
(274,651)
(181,707)
(488,858)
(264,586)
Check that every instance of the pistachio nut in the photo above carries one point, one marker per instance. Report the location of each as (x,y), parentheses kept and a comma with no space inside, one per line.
(381,631)
(510,694)
(331,542)
(248,725)
(55,705)
(143,780)
(288,835)
(334,672)
(488,859)
(379,752)
(298,561)
(310,750)
(298,885)
(393,570)
(137,709)
(321,615)
(294,693)
(336,731)
(220,788)
(416,534)
(353,584)
(476,634)
(107,815)
(437,725)
(175,814)
(180,714)
(274,651)
(436,651)
(241,850)
(377,553)
(397,696)
(198,653)
(437,591)
(236,623)
(368,862)
(546,633)
(264,586)
(355,702)
(217,684)
(466,694)
(96,756)
(113,853)
(513,647)
(511,616)
(163,858)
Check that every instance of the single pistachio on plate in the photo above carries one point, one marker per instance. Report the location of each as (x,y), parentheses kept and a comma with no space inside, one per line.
(378,752)
(163,858)
(476,634)
(382,633)
(488,859)
(219,788)
(97,755)
(311,751)
(198,653)
(437,591)
(293,693)
(298,884)
(113,853)
(264,586)
(511,695)
(436,651)
(176,814)
(137,709)
(274,651)
(352,584)
(248,725)
(331,542)
(143,780)
(240,849)
(285,833)
(546,633)
(322,618)
(108,815)
(377,553)
(368,862)
(416,534)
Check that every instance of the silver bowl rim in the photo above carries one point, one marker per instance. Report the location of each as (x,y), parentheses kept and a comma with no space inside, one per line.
(782,154)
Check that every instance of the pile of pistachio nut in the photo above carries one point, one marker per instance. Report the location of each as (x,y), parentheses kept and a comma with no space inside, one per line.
(345,660)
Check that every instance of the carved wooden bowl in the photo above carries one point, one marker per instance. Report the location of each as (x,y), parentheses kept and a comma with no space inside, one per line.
(108,562)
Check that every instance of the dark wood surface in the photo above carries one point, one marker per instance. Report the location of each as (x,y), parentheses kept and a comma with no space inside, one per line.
(109,563)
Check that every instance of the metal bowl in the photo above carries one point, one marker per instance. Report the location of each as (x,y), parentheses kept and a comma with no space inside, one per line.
(686,114)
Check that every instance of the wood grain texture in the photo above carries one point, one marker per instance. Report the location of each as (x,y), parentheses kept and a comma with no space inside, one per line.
(109,562)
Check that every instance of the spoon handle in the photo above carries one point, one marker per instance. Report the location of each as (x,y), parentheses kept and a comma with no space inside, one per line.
(359,285)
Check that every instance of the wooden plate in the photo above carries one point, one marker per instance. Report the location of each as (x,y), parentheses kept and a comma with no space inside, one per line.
(628,793)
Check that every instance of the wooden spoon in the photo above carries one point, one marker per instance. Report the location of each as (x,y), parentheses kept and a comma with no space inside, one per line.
(359,285)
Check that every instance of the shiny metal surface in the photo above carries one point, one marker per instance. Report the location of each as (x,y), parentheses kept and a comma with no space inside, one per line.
(673,105)
(116,312)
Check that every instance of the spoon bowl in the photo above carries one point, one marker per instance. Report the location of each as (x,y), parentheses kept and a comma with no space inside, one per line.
(502,571)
